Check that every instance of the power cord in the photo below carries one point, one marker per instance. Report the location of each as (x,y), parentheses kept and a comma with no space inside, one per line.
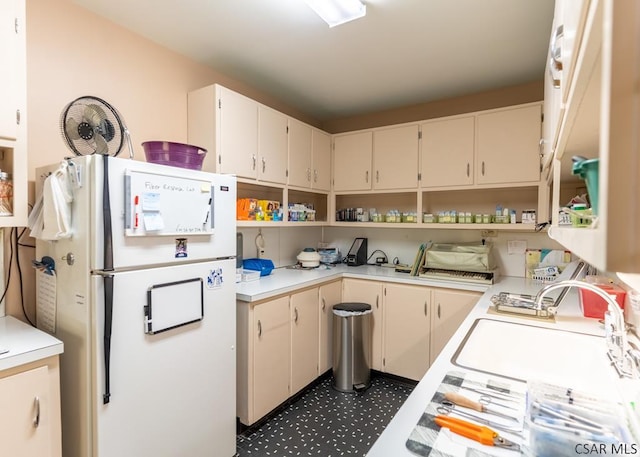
(384,259)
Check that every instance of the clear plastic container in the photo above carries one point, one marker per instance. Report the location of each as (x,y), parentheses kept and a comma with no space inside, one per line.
(6,194)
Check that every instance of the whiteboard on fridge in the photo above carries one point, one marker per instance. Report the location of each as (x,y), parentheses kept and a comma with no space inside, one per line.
(165,205)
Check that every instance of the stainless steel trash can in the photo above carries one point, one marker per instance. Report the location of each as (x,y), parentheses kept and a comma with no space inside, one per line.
(351,346)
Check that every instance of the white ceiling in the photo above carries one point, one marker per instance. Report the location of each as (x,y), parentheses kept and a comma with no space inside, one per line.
(404,52)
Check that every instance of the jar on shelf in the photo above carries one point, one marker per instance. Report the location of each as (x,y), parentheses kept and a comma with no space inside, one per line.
(6,194)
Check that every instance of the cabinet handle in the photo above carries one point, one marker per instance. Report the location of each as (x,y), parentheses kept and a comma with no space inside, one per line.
(36,419)
(295,313)
(377,176)
(377,298)
(254,161)
(18,117)
(468,169)
(483,168)
(366,176)
(315,175)
(309,174)
(323,304)
(556,52)
(555,81)
(438,310)
(264,164)
(425,308)
(259,328)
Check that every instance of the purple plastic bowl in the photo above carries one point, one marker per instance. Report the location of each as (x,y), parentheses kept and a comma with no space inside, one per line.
(174,154)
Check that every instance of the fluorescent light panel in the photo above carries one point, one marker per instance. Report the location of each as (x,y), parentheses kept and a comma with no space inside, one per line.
(336,12)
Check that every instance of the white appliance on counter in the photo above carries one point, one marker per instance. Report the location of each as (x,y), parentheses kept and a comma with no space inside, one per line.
(145,306)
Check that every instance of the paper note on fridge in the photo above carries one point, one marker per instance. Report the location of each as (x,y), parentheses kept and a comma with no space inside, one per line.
(152,221)
(150,201)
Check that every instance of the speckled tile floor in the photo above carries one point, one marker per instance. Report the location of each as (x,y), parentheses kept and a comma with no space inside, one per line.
(324,422)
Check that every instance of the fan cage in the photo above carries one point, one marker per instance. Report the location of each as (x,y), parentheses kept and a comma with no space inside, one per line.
(106,137)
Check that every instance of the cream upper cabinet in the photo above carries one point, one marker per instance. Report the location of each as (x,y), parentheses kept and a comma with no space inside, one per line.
(321,160)
(300,158)
(225,123)
(31,394)
(271,357)
(447,152)
(600,120)
(449,309)
(407,329)
(11,51)
(272,145)
(13,110)
(370,292)
(508,145)
(352,161)
(330,294)
(395,158)
(304,338)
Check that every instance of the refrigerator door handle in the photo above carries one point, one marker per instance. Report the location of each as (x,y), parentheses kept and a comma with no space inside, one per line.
(108,322)
(106,210)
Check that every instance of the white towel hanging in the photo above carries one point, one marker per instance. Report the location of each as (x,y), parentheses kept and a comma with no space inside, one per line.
(56,205)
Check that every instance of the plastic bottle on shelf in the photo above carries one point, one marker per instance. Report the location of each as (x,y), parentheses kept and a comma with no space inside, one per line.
(6,194)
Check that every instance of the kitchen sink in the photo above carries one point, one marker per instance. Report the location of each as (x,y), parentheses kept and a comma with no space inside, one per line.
(526,352)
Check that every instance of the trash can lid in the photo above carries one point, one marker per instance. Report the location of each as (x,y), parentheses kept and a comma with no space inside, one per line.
(352,307)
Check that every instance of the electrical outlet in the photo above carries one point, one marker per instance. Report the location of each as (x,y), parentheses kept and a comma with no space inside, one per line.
(488,233)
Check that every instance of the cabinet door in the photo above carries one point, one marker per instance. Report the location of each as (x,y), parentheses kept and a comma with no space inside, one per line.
(406,330)
(272,145)
(352,161)
(449,309)
(363,291)
(300,172)
(508,146)
(330,294)
(26,430)
(304,338)
(447,152)
(395,158)
(11,35)
(321,158)
(238,134)
(271,355)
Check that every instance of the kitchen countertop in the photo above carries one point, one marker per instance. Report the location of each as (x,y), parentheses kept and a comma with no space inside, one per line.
(284,280)
(24,343)
(392,440)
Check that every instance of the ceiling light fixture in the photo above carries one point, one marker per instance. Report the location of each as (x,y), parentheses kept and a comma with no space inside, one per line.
(336,12)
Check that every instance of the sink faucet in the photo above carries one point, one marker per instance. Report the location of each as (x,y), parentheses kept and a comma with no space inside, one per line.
(619,350)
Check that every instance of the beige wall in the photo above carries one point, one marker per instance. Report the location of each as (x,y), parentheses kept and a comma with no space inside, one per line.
(513,95)
(72,52)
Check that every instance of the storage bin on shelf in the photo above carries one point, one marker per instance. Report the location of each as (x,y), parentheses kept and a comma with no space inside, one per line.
(595,306)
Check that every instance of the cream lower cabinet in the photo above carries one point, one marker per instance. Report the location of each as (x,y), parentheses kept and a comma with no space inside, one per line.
(364,291)
(304,338)
(411,324)
(30,410)
(330,294)
(264,357)
(407,329)
(449,309)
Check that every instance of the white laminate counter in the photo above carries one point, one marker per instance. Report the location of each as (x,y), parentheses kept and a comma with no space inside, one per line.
(283,280)
(392,440)
(24,343)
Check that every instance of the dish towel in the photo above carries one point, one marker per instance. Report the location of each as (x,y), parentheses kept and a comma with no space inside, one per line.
(51,215)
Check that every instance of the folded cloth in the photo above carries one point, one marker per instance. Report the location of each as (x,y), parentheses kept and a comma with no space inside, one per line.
(55,218)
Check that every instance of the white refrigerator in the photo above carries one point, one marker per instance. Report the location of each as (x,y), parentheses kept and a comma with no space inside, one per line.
(145,305)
